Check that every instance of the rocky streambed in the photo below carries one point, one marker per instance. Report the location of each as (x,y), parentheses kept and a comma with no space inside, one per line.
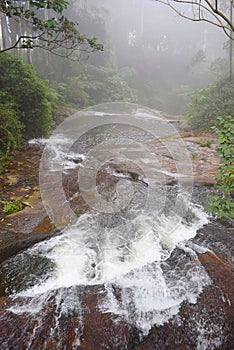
(20,182)
(91,313)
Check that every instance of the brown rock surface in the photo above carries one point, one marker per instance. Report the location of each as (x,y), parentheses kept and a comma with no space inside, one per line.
(207,325)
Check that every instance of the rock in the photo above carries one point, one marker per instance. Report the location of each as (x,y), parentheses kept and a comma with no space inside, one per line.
(43,329)
(208,324)
(221,274)
(11,244)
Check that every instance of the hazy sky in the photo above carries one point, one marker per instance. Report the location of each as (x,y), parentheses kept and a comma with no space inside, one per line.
(152,22)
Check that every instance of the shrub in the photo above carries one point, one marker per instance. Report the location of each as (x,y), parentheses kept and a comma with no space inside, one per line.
(76,94)
(208,103)
(28,93)
(101,84)
(224,177)
(10,130)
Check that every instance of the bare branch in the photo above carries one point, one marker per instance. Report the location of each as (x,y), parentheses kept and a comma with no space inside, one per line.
(219,18)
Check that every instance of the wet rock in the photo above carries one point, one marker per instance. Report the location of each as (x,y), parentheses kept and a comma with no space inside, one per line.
(11,244)
(207,324)
(221,274)
(44,226)
(50,328)
(102,330)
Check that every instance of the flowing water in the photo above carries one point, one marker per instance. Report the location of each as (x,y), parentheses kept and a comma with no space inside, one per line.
(141,249)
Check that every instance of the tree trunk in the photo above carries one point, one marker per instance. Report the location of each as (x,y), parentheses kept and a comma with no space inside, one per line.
(15,32)
(3,32)
(46,17)
(28,33)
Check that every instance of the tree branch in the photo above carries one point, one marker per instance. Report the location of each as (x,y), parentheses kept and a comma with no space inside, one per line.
(52,34)
(221,20)
(14,46)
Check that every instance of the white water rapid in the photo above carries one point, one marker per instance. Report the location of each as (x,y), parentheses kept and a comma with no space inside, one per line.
(144,253)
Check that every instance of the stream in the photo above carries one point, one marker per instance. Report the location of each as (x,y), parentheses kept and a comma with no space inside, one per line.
(135,249)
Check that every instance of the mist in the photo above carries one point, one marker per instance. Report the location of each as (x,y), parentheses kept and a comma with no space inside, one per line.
(160,54)
(151,56)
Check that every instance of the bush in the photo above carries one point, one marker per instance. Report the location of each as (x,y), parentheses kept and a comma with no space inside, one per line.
(208,103)
(224,177)
(10,130)
(28,93)
(76,94)
(93,85)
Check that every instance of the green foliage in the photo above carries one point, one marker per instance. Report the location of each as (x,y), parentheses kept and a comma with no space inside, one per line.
(225,148)
(28,93)
(25,105)
(91,82)
(221,207)
(219,68)
(105,85)
(208,103)
(54,96)
(197,59)
(75,93)
(56,33)
(206,143)
(91,85)
(10,207)
(224,177)
(10,131)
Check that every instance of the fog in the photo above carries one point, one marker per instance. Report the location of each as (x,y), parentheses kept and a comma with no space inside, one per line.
(158,53)
(157,50)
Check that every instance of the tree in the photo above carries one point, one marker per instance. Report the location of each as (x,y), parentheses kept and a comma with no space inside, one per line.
(209,103)
(211,11)
(216,12)
(42,24)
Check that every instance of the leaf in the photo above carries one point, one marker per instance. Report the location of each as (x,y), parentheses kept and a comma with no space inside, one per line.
(27,204)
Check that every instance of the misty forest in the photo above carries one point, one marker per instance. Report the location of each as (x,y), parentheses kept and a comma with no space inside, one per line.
(116,174)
